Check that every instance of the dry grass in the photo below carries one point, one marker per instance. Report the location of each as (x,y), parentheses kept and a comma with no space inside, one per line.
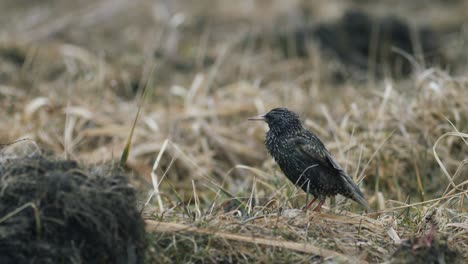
(73,84)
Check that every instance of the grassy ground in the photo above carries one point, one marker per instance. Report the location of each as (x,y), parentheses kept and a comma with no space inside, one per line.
(72,77)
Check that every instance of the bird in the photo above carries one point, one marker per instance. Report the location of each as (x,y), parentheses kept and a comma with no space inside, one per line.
(305,161)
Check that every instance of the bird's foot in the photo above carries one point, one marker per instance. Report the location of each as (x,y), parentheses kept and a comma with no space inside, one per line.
(319,206)
(309,205)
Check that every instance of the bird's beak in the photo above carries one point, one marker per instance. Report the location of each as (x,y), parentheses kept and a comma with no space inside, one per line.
(256,118)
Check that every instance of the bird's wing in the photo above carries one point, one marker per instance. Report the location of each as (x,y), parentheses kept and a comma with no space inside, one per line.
(313,148)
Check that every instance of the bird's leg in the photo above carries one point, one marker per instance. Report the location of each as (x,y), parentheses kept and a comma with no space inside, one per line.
(319,206)
(310,204)
(313,200)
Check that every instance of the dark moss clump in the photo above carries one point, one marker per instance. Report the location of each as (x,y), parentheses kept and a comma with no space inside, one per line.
(56,211)
(352,39)
(363,42)
(13,54)
(427,250)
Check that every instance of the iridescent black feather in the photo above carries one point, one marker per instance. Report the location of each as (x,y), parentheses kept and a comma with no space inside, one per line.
(304,159)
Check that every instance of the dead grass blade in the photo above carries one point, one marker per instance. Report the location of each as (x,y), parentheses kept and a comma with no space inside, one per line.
(37,218)
(161,227)
(420,203)
(446,173)
(154,176)
(126,151)
(361,175)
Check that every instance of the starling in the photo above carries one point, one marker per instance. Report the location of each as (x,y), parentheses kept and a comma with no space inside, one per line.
(304,159)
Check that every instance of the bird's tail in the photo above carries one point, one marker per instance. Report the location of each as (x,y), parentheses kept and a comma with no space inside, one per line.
(353,191)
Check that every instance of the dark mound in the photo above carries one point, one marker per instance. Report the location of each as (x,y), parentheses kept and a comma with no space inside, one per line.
(56,211)
(426,250)
(358,38)
(382,45)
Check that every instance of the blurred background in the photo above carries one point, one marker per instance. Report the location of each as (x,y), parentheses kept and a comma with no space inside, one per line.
(378,81)
(382,83)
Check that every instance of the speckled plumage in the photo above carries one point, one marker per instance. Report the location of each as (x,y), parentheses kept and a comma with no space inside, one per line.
(304,159)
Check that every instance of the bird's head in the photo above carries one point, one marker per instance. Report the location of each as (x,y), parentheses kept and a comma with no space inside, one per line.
(281,120)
